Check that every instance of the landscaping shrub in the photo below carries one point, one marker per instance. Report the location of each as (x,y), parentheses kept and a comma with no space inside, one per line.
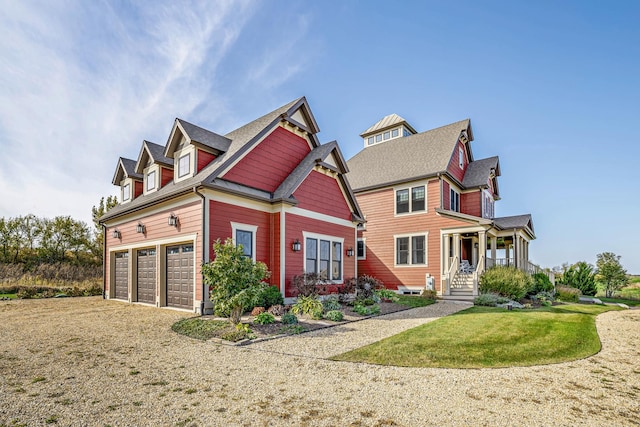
(429,294)
(241,332)
(289,319)
(331,303)
(568,294)
(365,287)
(269,296)
(264,318)
(581,276)
(308,284)
(334,315)
(367,310)
(347,290)
(386,294)
(541,283)
(506,281)
(308,305)
(487,300)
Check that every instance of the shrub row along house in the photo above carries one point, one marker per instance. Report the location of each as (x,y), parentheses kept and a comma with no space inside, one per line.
(272,187)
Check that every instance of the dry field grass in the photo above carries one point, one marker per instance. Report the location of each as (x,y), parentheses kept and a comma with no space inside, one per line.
(86,361)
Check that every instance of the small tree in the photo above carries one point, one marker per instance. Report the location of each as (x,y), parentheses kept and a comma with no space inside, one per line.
(610,272)
(581,276)
(234,279)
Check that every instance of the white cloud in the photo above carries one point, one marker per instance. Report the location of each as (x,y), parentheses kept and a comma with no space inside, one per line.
(83,83)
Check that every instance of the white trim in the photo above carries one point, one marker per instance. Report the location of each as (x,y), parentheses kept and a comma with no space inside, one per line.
(157,242)
(235,226)
(321,217)
(155,169)
(188,150)
(331,239)
(230,199)
(461,157)
(171,204)
(364,247)
(410,187)
(425,234)
(283,249)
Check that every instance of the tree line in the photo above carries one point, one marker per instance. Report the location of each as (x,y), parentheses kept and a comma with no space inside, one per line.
(608,273)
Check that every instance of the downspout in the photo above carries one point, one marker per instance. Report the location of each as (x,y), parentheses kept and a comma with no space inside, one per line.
(104,259)
(204,246)
(441,190)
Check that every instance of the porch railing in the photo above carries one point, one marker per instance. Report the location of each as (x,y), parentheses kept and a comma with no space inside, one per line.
(453,269)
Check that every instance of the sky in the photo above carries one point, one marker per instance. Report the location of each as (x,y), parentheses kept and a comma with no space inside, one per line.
(551,87)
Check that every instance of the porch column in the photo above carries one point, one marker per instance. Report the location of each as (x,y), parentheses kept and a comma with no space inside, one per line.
(445,253)
(494,247)
(506,253)
(482,250)
(518,252)
(456,246)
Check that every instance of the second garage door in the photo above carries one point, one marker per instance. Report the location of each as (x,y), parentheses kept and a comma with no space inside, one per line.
(147,276)
(180,279)
(122,275)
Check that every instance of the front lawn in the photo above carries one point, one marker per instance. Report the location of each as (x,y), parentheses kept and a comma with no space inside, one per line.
(482,337)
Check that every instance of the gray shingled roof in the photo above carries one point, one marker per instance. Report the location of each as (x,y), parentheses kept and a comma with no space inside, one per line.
(126,169)
(387,122)
(155,152)
(405,159)
(205,137)
(478,172)
(242,139)
(516,221)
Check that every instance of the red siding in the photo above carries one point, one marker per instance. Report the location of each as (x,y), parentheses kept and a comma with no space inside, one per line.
(268,164)
(167,176)
(471,203)
(322,193)
(137,189)
(204,159)
(446,196)
(294,264)
(454,166)
(267,241)
(190,222)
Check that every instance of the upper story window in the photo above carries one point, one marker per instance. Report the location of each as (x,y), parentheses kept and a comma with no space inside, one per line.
(126,192)
(394,133)
(488,205)
(151,180)
(411,250)
(362,249)
(461,158)
(454,201)
(410,200)
(370,140)
(323,255)
(184,165)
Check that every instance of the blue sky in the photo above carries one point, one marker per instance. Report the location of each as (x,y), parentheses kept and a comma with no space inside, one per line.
(550,87)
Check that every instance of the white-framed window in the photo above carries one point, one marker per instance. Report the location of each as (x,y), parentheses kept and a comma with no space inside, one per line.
(370,140)
(454,200)
(361,248)
(323,255)
(151,180)
(461,157)
(126,192)
(488,205)
(411,199)
(411,249)
(394,133)
(184,165)
(245,235)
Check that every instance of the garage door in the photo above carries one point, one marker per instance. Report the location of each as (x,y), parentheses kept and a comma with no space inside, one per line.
(121,279)
(147,276)
(180,279)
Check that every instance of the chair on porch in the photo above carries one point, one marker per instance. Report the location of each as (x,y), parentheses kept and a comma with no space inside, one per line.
(465,267)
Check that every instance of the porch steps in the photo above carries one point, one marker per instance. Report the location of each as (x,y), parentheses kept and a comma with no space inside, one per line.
(462,285)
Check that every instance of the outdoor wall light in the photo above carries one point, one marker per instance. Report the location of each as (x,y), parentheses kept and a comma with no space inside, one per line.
(173,220)
(296,246)
(116,233)
(475,245)
(140,228)
(350,252)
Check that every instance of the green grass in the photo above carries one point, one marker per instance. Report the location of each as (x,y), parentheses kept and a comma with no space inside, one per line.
(482,337)
(10,296)
(199,328)
(629,302)
(414,301)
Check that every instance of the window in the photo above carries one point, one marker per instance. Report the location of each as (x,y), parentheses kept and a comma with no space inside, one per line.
(126,192)
(454,201)
(394,133)
(245,235)
(487,209)
(379,138)
(461,158)
(362,249)
(402,201)
(323,255)
(386,135)
(151,180)
(405,132)
(184,165)
(370,140)
(418,200)
(411,250)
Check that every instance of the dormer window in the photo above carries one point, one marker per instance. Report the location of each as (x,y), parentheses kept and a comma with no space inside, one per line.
(126,192)
(184,165)
(151,180)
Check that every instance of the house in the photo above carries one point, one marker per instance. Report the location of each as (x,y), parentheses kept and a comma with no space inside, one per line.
(270,185)
(429,210)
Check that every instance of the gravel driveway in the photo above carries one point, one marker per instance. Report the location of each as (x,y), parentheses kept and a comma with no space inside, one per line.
(86,361)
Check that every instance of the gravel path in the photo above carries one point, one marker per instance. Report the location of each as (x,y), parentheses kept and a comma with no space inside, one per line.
(85,361)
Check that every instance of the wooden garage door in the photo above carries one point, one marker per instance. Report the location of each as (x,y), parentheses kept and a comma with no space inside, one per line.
(122,275)
(147,276)
(180,279)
